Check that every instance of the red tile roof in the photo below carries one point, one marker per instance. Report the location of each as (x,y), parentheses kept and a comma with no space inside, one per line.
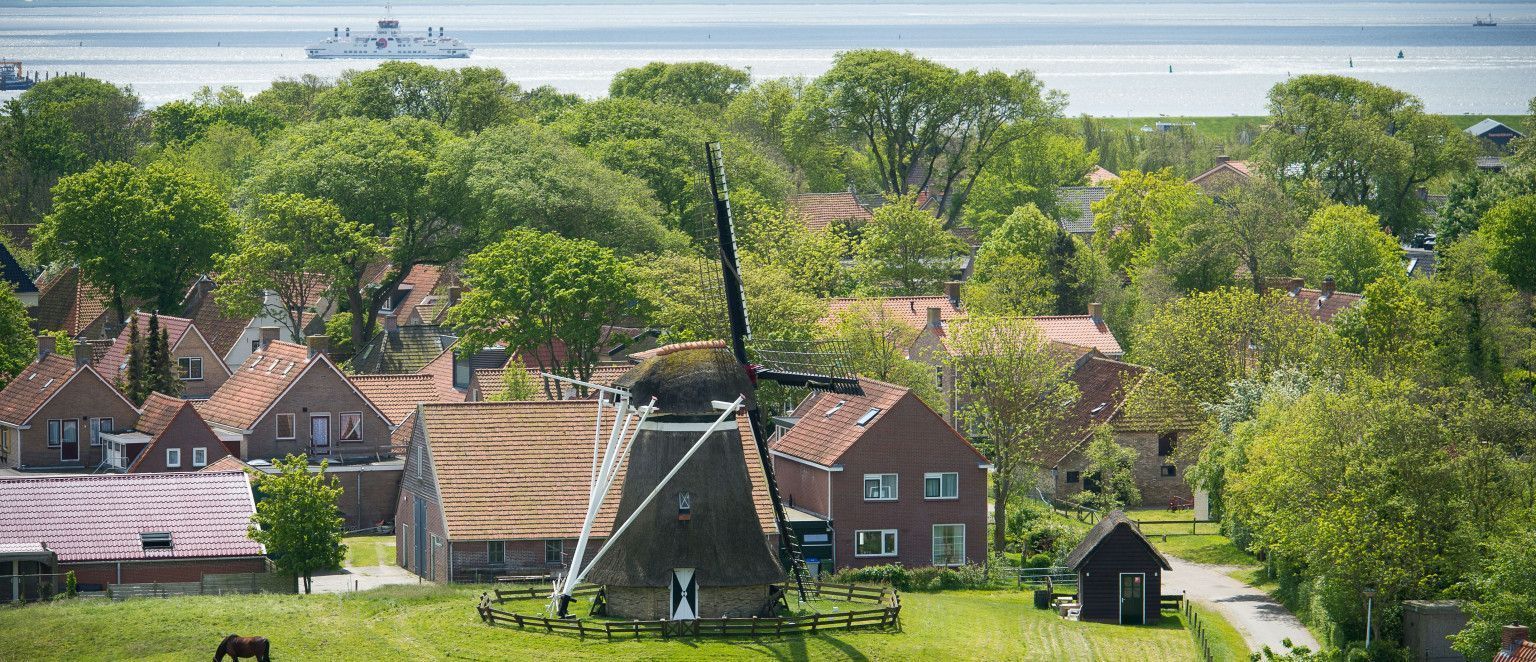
(441,371)
(1525,651)
(1321,308)
(828,422)
(100,517)
(38,383)
(519,470)
(1098,176)
(226,463)
(169,409)
(1103,386)
(220,329)
(67,303)
(115,360)
(423,281)
(1238,168)
(256,385)
(159,410)
(823,209)
(396,396)
(1081,330)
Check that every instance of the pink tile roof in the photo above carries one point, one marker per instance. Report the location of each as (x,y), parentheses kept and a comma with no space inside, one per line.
(823,209)
(100,517)
(115,360)
(1081,330)
(1098,176)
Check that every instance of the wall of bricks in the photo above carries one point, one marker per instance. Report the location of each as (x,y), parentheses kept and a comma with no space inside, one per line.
(367,497)
(85,398)
(143,572)
(320,390)
(801,485)
(1156,489)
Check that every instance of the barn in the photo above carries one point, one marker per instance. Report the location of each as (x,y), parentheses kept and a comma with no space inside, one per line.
(1119,573)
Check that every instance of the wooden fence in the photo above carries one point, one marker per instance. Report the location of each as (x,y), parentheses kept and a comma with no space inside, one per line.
(211,584)
(886,615)
(1176,527)
(1197,631)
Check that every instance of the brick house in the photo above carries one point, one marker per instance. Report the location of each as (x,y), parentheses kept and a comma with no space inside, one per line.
(132,528)
(201,369)
(496,488)
(892,481)
(169,436)
(235,337)
(1224,176)
(67,303)
(53,413)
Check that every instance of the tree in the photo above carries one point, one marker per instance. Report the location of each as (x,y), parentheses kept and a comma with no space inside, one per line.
(516,384)
(1347,244)
(1394,331)
(1030,172)
(60,127)
(680,293)
(135,384)
(777,235)
(773,114)
(1208,340)
(376,173)
(1472,196)
(681,83)
(464,100)
(1258,221)
(1367,144)
(877,345)
(296,247)
(1510,228)
(1113,466)
(222,155)
(18,346)
(1139,204)
(186,121)
(534,290)
(295,100)
(137,234)
(1498,594)
(905,250)
(1484,325)
(1013,275)
(151,367)
(1017,393)
(527,176)
(296,518)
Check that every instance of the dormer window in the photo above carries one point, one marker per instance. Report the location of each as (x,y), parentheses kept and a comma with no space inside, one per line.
(155,540)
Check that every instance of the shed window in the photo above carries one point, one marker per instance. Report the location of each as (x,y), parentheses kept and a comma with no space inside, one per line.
(190,368)
(941,485)
(878,542)
(285,426)
(1074,476)
(156,540)
(949,544)
(867,417)
(554,551)
(1166,442)
(496,552)
(879,487)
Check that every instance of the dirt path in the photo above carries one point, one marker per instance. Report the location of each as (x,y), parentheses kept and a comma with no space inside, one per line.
(1259,618)
(362,578)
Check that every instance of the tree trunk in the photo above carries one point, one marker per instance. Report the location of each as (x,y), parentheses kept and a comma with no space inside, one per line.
(1000,489)
(307,587)
(359,317)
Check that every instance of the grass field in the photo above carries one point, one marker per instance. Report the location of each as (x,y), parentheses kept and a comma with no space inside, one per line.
(1206,545)
(370,550)
(439,622)
(1226,127)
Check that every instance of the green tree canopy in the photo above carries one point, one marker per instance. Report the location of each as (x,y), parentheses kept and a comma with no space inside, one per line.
(679,292)
(905,250)
(878,345)
(296,518)
(1348,244)
(772,113)
(775,234)
(464,100)
(1018,266)
(18,346)
(681,83)
(1510,229)
(61,127)
(1163,216)
(137,234)
(1028,172)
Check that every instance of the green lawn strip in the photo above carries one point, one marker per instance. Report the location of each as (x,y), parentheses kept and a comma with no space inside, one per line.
(1225,641)
(370,550)
(424,622)
(1227,127)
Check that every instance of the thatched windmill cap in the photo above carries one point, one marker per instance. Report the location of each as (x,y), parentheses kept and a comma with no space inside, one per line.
(688,379)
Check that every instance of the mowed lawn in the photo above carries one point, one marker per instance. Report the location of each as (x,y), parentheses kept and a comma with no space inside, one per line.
(427,622)
(1205,545)
(370,550)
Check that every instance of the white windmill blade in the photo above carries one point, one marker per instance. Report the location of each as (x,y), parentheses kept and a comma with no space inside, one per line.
(596,387)
(613,457)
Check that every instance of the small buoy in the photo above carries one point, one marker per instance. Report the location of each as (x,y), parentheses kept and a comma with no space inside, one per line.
(1399,55)
(1170,68)
(1351,63)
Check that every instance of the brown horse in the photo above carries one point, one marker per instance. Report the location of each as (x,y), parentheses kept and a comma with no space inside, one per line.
(238,647)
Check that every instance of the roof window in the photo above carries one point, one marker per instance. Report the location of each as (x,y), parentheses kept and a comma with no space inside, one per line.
(868,416)
(1099,408)
(155,540)
(835,407)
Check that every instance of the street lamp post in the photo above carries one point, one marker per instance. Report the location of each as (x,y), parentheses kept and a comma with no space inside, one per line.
(1369,593)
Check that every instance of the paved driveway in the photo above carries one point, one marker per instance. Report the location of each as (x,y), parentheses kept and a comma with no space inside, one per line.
(1261,620)
(362,578)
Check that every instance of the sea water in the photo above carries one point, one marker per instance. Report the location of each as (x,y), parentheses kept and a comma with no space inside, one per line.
(1111,58)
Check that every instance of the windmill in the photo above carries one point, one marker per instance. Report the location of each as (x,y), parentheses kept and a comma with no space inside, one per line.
(698,529)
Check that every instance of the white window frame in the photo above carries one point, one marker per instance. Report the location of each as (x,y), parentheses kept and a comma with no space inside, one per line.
(98,426)
(893,487)
(173,453)
(200,456)
(894,540)
(494,549)
(341,425)
(935,545)
(939,476)
(185,371)
(293,426)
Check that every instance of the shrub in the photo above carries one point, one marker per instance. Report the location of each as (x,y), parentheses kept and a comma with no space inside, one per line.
(70,586)
(1041,560)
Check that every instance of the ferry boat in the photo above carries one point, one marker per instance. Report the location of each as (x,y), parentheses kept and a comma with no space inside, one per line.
(1484,23)
(388,43)
(11,77)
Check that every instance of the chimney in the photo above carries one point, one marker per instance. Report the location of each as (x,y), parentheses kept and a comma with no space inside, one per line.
(82,353)
(1096,312)
(454,292)
(318,344)
(1327,290)
(269,334)
(45,345)
(392,325)
(935,322)
(1223,158)
(1513,635)
(952,290)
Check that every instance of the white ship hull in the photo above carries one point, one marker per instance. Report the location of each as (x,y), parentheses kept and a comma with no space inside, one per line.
(388,44)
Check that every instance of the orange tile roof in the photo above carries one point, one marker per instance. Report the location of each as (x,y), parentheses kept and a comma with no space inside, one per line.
(1081,330)
(220,329)
(67,303)
(159,410)
(1524,651)
(1240,168)
(491,380)
(226,463)
(423,280)
(396,396)
(441,371)
(823,209)
(36,383)
(1102,385)
(1324,309)
(170,411)
(115,360)
(264,376)
(1098,176)
(519,470)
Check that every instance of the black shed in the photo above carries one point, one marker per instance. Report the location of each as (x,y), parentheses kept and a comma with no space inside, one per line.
(1119,573)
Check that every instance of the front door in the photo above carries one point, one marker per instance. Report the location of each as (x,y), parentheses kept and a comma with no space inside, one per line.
(421,537)
(685,595)
(1132,592)
(320,433)
(69,440)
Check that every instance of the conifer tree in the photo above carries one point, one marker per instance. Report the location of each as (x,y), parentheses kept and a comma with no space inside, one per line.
(165,377)
(133,386)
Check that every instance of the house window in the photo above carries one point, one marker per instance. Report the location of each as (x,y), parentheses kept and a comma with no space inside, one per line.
(1074,476)
(421,463)
(949,544)
(98,426)
(190,368)
(941,486)
(352,426)
(200,457)
(285,426)
(256,345)
(554,552)
(878,542)
(1165,443)
(496,552)
(938,377)
(1170,470)
(879,487)
(5,445)
(173,457)
(65,431)
(155,540)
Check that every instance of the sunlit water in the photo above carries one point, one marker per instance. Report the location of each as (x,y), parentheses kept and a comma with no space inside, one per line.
(1111,58)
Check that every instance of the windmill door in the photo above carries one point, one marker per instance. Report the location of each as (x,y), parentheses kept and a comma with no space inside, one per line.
(685,595)
(1132,598)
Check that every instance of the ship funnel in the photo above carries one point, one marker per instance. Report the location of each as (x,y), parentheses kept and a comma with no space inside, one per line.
(335,32)
(349,32)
